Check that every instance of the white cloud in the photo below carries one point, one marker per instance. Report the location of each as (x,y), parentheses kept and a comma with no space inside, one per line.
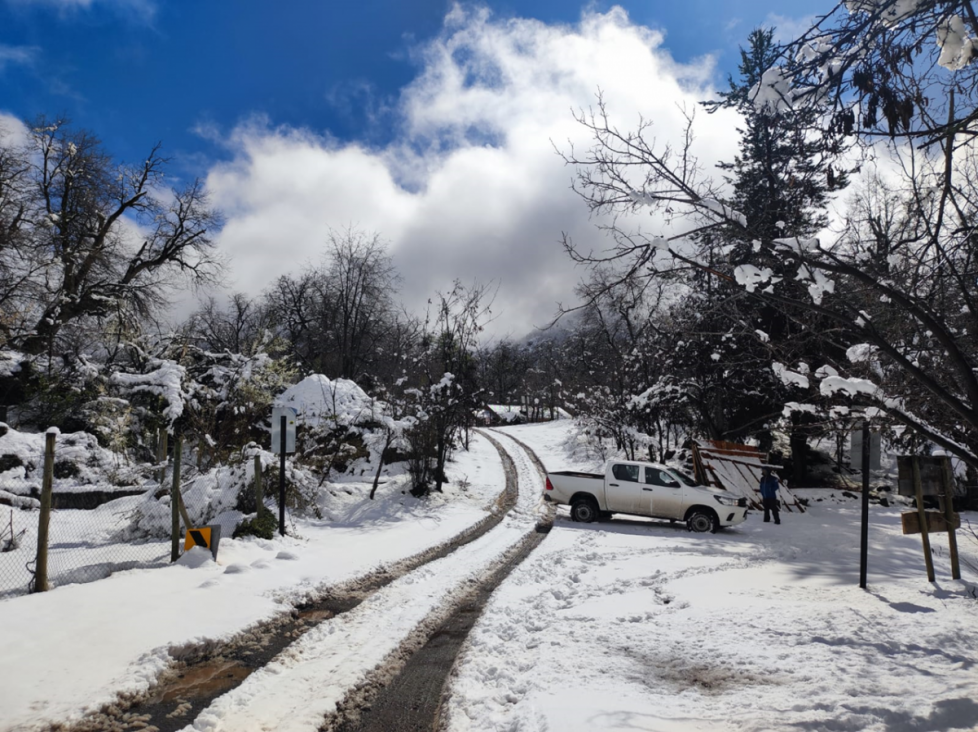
(13,132)
(788,29)
(472,187)
(16,55)
(144,10)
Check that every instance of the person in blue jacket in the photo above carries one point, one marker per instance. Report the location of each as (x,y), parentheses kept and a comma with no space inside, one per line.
(769,495)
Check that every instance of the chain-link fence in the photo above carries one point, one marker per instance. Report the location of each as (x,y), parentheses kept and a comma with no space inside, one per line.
(96,529)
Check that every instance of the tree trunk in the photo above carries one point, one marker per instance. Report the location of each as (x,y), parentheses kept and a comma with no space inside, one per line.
(380,464)
(799,455)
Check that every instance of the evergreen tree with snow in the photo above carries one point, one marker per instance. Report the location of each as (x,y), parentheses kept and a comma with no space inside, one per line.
(783,175)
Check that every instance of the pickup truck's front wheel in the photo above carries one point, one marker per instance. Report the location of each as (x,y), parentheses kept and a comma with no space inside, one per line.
(584,510)
(701,521)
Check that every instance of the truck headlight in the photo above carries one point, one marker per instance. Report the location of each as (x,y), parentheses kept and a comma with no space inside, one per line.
(726,500)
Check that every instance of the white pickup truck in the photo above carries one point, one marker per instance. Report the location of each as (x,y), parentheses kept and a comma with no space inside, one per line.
(644,489)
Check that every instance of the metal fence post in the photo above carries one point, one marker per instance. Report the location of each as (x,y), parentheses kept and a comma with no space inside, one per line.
(175,501)
(864,519)
(281,479)
(41,566)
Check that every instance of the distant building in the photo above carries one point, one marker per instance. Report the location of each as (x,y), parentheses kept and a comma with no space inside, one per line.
(499,414)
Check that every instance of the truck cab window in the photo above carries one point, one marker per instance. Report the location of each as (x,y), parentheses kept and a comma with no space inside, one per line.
(654,476)
(625,472)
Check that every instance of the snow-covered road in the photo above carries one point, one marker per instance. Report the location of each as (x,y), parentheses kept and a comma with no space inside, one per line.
(639,625)
(70,651)
(306,682)
(624,625)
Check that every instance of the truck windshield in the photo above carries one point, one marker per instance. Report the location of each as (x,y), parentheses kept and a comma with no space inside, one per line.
(683,477)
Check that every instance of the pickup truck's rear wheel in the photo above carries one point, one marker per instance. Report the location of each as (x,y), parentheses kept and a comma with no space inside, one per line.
(584,510)
(702,520)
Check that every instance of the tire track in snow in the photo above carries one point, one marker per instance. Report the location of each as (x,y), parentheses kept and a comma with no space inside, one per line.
(529,452)
(201,673)
(412,699)
(324,679)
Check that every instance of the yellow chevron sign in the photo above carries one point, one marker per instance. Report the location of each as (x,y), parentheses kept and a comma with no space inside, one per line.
(206,536)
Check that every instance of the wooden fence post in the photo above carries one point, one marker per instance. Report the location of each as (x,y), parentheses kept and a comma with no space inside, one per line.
(43,523)
(176,502)
(259,498)
(952,539)
(922,515)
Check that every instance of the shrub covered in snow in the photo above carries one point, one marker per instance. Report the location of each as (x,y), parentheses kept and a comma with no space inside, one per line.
(80,464)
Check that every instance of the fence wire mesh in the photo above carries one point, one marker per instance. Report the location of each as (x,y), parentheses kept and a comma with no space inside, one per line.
(98,529)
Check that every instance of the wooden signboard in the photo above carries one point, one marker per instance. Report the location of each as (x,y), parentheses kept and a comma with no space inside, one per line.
(931,475)
(936,521)
(927,521)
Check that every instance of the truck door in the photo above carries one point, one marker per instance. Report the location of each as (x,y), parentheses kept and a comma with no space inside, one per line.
(665,491)
(622,489)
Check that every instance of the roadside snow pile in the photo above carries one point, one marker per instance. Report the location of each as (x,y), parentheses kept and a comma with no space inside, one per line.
(80,464)
(319,400)
(221,495)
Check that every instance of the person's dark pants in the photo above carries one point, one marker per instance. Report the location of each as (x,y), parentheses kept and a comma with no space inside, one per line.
(771,506)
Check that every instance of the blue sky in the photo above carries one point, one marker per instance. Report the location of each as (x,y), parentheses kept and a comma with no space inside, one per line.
(430,123)
(141,71)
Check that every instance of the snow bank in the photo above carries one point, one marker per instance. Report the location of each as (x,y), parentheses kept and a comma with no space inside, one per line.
(81,464)
(318,399)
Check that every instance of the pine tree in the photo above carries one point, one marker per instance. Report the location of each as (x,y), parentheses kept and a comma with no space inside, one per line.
(780,180)
(783,175)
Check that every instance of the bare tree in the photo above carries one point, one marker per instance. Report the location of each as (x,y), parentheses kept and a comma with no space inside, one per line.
(113,238)
(447,392)
(240,327)
(337,314)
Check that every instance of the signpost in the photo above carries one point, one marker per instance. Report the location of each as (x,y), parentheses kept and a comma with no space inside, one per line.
(865,462)
(283,441)
(208,537)
(930,476)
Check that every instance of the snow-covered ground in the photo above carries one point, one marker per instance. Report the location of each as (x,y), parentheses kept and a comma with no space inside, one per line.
(639,625)
(71,650)
(623,625)
(305,683)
